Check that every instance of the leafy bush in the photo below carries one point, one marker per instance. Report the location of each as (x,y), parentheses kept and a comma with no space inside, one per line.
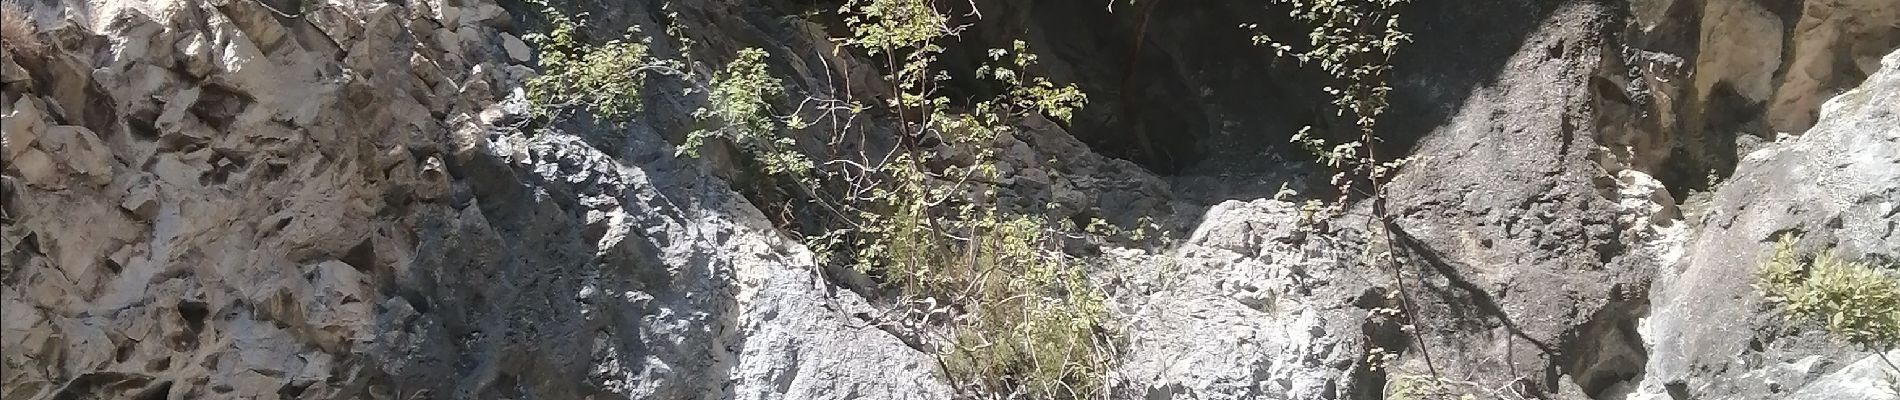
(605,77)
(1352,42)
(921,219)
(739,108)
(1857,302)
(1027,321)
(1037,320)
(1421,387)
(1031,322)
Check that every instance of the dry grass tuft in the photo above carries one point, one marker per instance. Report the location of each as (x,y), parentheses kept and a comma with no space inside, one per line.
(18,35)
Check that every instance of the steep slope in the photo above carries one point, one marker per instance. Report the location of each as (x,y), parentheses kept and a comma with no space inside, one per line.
(1836,185)
(219,200)
(322,199)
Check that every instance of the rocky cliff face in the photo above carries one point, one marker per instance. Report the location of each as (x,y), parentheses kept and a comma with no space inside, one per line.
(1836,185)
(334,199)
(220,200)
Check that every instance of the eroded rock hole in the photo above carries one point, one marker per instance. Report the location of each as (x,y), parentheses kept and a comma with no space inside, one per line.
(193,313)
(362,257)
(1606,356)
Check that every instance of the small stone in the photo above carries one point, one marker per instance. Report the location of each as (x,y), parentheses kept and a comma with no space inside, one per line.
(122,256)
(142,202)
(20,128)
(36,167)
(448,15)
(196,54)
(446,40)
(176,108)
(178,172)
(11,72)
(81,150)
(490,14)
(517,50)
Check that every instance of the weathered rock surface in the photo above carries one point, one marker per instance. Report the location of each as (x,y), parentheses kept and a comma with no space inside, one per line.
(1837,186)
(272,199)
(235,202)
(1247,308)
(1717,79)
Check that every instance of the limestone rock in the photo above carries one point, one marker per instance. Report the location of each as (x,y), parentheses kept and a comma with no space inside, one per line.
(142,202)
(236,204)
(23,125)
(1836,186)
(79,149)
(1745,72)
(335,199)
(1240,312)
(11,72)
(517,50)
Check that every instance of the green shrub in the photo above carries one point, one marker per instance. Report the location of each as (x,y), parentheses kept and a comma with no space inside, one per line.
(1035,319)
(1027,322)
(922,220)
(1353,43)
(1855,301)
(1424,387)
(606,77)
(738,109)
(1031,324)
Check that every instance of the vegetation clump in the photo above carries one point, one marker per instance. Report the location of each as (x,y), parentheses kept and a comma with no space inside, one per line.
(738,109)
(1856,301)
(18,36)
(921,218)
(1353,42)
(1027,321)
(606,78)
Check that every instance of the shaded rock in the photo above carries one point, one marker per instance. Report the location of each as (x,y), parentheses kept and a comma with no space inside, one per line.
(1743,72)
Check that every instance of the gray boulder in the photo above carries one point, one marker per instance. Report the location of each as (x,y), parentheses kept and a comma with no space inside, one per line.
(1711,335)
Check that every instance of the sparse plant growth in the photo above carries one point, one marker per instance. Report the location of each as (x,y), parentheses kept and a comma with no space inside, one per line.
(921,218)
(1427,387)
(18,36)
(1352,42)
(1029,322)
(1856,302)
(606,77)
(1413,387)
(738,110)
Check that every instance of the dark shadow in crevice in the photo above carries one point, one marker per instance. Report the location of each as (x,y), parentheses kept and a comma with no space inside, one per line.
(1730,126)
(1413,248)
(1488,313)
(1218,111)
(1459,47)
(1608,349)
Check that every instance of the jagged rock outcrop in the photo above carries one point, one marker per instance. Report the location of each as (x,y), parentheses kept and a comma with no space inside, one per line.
(1716,79)
(1838,186)
(335,199)
(1250,307)
(1532,227)
(226,200)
